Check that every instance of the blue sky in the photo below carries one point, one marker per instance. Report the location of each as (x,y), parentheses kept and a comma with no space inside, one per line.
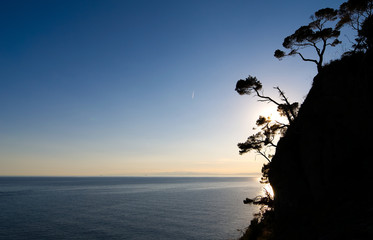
(140,87)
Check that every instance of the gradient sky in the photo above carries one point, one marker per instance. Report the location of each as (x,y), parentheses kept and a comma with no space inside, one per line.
(141,87)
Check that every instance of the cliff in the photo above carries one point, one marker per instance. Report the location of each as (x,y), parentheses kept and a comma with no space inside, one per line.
(323,169)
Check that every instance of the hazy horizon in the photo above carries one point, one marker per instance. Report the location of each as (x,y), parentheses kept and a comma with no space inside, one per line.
(155,174)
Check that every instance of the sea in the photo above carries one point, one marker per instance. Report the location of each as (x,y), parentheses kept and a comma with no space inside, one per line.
(37,208)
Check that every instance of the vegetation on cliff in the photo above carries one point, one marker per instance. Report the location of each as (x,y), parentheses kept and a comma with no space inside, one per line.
(320,172)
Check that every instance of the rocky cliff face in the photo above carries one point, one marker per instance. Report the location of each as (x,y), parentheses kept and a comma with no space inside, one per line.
(323,168)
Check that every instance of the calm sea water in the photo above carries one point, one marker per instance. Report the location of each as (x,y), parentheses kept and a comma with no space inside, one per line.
(124,208)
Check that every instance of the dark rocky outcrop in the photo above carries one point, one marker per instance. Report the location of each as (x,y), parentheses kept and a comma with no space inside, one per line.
(323,168)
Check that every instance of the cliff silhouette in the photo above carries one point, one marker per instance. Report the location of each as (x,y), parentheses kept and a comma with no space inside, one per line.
(322,172)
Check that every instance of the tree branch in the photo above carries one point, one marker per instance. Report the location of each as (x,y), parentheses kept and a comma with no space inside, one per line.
(284,98)
(263,155)
(307,60)
(267,99)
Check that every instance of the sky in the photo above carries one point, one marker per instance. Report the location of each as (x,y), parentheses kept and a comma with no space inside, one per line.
(141,88)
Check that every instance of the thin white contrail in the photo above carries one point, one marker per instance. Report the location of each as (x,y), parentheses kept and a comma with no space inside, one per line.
(193,94)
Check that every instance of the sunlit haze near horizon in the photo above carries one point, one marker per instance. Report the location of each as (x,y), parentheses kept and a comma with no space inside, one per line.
(141,88)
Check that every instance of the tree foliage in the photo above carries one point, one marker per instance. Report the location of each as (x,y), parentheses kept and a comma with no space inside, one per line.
(251,85)
(269,129)
(366,34)
(324,29)
(354,12)
(357,14)
(318,34)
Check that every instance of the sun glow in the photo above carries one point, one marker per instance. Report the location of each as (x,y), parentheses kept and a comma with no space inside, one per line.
(273,114)
(267,189)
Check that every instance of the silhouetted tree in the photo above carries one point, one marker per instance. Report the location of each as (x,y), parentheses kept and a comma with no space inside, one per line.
(366,33)
(355,13)
(316,35)
(269,129)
